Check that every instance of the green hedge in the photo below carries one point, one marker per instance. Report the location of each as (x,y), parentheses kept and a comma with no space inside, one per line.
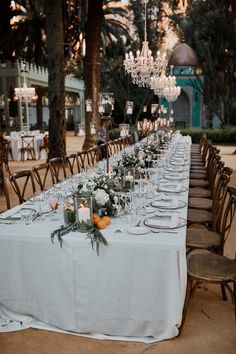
(224,136)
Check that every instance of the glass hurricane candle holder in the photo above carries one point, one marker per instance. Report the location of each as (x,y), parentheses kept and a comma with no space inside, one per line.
(84,213)
(128,179)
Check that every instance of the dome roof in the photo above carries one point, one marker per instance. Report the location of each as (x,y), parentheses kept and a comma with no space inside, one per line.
(183,55)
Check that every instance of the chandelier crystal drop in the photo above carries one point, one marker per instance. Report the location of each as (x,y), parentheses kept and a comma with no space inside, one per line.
(143,65)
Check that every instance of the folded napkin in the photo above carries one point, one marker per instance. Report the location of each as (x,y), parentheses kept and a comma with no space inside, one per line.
(170,188)
(164,220)
(165,203)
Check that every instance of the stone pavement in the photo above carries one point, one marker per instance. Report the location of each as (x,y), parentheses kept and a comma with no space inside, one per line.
(210,327)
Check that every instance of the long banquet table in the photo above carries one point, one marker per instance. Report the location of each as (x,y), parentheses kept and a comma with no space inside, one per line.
(135,288)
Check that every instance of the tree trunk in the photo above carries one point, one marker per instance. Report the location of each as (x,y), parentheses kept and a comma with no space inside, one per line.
(92,63)
(56,78)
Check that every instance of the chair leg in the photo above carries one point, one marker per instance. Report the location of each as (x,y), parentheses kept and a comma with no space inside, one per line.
(224,296)
(234,290)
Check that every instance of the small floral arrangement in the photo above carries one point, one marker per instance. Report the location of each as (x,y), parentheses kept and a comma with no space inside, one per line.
(102,190)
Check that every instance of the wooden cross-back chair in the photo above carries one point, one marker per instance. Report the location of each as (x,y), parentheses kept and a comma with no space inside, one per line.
(93,156)
(58,169)
(214,239)
(196,149)
(44,146)
(5,191)
(211,267)
(27,146)
(43,176)
(23,184)
(83,159)
(72,163)
(4,151)
(206,217)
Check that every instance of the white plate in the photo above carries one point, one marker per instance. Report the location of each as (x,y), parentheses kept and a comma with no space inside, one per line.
(179,163)
(172,188)
(175,178)
(165,221)
(163,203)
(177,169)
(138,230)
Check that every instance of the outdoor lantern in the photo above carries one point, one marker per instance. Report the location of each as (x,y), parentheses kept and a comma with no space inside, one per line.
(89,105)
(129,107)
(84,213)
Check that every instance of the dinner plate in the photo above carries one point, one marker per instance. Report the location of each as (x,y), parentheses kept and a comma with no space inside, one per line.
(165,203)
(177,169)
(138,230)
(172,188)
(165,221)
(175,178)
(179,163)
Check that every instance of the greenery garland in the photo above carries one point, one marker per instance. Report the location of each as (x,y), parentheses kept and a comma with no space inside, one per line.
(95,235)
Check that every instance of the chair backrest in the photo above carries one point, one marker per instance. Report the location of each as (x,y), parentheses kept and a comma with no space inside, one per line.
(4,187)
(219,193)
(216,170)
(93,155)
(57,168)
(226,215)
(72,163)
(83,159)
(27,142)
(23,184)
(4,149)
(43,176)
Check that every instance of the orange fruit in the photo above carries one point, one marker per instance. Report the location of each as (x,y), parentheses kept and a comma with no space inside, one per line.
(101,224)
(106,219)
(96,218)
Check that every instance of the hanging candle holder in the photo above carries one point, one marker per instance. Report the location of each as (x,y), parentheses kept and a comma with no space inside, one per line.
(84,213)
(89,105)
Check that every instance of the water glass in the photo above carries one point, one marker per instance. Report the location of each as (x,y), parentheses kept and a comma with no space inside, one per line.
(26,216)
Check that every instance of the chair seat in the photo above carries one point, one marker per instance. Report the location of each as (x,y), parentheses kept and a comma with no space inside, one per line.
(197,162)
(211,267)
(200,203)
(198,183)
(202,239)
(199,216)
(200,193)
(198,175)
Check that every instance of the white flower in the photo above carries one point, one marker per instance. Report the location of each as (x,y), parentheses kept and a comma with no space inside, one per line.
(101,197)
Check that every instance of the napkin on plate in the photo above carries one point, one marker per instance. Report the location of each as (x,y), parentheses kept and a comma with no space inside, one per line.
(170,187)
(165,203)
(164,220)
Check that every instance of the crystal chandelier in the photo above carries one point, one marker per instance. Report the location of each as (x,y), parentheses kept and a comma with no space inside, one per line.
(144,65)
(159,83)
(171,92)
(25,92)
(165,86)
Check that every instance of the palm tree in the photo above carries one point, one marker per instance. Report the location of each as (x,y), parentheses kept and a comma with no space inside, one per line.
(100,29)
(92,63)
(56,78)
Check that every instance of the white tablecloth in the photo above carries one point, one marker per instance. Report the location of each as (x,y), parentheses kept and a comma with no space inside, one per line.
(134,288)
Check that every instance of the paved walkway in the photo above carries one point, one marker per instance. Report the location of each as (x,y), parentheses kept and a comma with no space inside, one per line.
(209,328)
